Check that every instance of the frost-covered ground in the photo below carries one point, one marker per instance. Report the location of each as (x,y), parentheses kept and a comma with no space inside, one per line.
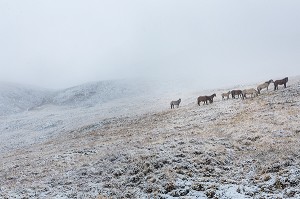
(136,147)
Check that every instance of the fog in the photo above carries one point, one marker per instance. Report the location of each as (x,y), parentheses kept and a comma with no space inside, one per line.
(58,44)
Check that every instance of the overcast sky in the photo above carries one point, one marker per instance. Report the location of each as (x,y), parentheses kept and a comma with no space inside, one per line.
(62,43)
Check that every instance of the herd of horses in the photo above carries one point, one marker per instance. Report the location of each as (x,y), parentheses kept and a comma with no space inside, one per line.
(237,93)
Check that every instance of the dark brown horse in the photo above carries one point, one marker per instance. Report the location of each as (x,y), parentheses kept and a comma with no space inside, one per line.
(212,97)
(204,99)
(280,82)
(239,93)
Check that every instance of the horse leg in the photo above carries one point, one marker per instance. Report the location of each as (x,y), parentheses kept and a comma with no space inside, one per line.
(284,85)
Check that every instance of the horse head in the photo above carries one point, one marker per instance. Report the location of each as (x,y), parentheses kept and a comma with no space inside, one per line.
(271,81)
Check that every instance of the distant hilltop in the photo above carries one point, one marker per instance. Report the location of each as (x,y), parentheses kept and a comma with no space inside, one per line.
(15,98)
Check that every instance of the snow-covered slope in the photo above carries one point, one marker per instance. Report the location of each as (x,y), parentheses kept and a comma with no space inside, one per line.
(16,98)
(91,94)
(45,114)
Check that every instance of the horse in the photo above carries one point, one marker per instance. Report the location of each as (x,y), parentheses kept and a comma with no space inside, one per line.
(264,85)
(226,95)
(280,82)
(236,92)
(250,91)
(204,99)
(173,103)
(212,97)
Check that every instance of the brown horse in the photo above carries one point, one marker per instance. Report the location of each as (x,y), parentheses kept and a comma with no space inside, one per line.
(280,82)
(204,99)
(239,93)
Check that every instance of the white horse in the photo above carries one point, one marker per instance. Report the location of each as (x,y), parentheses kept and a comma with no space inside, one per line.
(226,95)
(264,85)
(173,103)
(250,91)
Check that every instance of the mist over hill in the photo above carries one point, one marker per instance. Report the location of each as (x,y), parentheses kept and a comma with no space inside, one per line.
(16,98)
(90,94)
